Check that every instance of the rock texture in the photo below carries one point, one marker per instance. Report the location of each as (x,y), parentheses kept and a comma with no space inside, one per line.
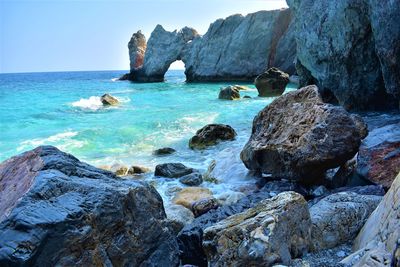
(109,100)
(272,232)
(192,179)
(58,211)
(210,135)
(299,137)
(188,196)
(172,170)
(137,47)
(271,83)
(350,49)
(164,151)
(229,93)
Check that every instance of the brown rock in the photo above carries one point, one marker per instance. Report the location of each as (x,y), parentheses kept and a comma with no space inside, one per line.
(109,100)
(204,205)
(210,135)
(229,93)
(187,196)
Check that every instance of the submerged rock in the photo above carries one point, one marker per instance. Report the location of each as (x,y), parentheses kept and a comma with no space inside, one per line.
(58,211)
(271,83)
(109,100)
(299,137)
(172,170)
(229,93)
(164,151)
(210,135)
(272,232)
(189,195)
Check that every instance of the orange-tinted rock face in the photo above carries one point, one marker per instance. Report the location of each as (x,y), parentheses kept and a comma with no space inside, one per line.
(137,48)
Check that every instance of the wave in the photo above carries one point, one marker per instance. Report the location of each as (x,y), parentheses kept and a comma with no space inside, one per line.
(63,141)
(92,103)
(115,79)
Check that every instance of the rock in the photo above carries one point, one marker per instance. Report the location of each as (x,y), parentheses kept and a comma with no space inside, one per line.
(229,93)
(247,96)
(210,135)
(372,257)
(137,48)
(204,205)
(192,179)
(337,218)
(58,211)
(138,170)
(319,191)
(379,157)
(272,82)
(272,232)
(229,198)
(120,170)
(164,151)
(109,100)
(179,216)
(324,258)
(355,59)
(172,170)
(189,195)
(299,137)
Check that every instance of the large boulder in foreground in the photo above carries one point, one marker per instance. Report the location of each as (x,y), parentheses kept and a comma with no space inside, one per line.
(275,231)
(272,82)
(299,137)
(58,211)
(210,135)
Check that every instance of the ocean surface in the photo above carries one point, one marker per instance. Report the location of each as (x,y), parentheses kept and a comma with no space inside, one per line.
(63,109)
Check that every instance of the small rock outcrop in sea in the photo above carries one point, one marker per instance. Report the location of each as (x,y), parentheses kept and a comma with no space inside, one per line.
(210,135)
(272,82)
(109,100)
(378,240)
(355,59)
(137,48)
(172,170)
(192,179)
(273,232)
(189,195)
(164,151)
(300,137)
(229,93)
(58,211)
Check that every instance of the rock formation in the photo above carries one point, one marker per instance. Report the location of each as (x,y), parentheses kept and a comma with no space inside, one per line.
(58,211)
(350,49)
(137,48)
(210,135)
(299,137)
(271,83)
(109,100)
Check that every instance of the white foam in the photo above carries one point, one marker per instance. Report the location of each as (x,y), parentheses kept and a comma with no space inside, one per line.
(63,141)
(92,103)
(114,79)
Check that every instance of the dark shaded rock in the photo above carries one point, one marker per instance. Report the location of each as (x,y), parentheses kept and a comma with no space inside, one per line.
(247,96)
(210,135)
(229,93)
(192,179)
(172,170)
(58,211)
(204,205)
(125,77)
(299,137)
(271,83)
(164,151)
(137,48)
(137,170)
(109,100)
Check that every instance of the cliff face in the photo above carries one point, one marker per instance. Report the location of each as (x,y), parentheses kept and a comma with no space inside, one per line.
(236,48)
(350,49)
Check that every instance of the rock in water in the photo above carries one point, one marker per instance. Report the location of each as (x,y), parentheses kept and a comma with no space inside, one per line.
(137,170)
(299,137)
(137,48)
(229,93)
(109,100)
(192,179)
(58,211)
(187,196)
(210,135)
(172,170)
(272,82)
(272,232)
(164,151)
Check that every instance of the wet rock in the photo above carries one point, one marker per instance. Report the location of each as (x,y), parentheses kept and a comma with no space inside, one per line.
(272,232)
(172,170)
(229,93)
(179,216)
(193,179)
(379,157)
(58,211)
(204,205)
(210,135)
(109,100)
(272,82)
(119,169)
(137,48)
(337,218)
(164,151)
(189,195)
(299,137)
(247,96)
(138,170)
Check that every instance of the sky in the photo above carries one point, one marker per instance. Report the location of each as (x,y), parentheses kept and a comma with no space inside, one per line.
(60,35)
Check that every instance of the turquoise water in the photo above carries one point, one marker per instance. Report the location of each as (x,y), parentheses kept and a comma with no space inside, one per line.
(64,110)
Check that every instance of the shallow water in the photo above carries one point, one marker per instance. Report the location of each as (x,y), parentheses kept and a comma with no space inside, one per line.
(64,110)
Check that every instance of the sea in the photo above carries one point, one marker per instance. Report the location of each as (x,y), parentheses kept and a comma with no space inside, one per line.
(63,109)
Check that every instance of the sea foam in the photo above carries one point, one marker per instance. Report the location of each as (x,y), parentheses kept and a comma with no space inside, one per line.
(63,141)
(92,103)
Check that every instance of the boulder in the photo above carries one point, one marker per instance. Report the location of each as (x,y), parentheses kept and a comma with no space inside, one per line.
(210,135)
(58,211)
(203,206)
(192,179)
(119,169)
(179,216)
(164,151)
(271,83)
(229,93)
(172,170)
(137,48)
(299,137)
(137,170)
(379,157)
(189,195)
(109,100)
(274,231)
(337,218)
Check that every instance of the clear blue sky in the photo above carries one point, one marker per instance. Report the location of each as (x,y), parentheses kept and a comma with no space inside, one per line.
(60,35)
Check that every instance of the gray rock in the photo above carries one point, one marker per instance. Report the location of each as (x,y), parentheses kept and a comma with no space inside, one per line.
(271,83)
(299,137)
(229,93)
(58,211)
(172,170)
(179,216)
(192,179)
(210,135)
(109,100)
